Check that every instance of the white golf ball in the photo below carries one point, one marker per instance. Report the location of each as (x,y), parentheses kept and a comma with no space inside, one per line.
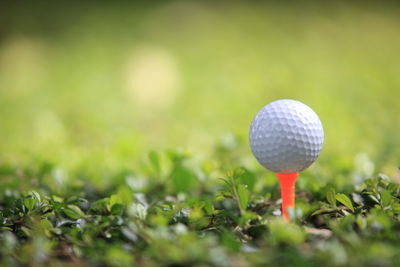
(286,136)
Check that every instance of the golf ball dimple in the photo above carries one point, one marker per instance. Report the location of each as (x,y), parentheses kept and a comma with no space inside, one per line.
(286,136)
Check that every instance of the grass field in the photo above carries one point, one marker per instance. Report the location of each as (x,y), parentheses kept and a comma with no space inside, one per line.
(119,120)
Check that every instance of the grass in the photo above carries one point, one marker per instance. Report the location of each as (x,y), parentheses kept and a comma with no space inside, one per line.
(176,212)
(124,133)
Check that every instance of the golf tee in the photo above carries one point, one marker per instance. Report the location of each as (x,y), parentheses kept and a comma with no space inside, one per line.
(287,182)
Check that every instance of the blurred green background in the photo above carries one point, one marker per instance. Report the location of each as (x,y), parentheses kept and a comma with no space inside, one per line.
(104,83)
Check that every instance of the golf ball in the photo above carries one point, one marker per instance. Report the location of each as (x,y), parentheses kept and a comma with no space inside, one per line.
(286,136)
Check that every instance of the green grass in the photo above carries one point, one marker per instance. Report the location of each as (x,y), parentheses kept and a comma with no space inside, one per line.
(88,91)
(173,211)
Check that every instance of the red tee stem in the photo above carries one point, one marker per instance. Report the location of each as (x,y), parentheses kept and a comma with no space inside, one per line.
(287,181)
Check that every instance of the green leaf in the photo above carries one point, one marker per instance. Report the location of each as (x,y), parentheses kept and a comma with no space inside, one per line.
(373,198)
(342,198)
(29,203)
(208,207)
(114,199)
(122,196)
(361,222)
(331,196)
(230,241)
(36,195)
(243,195)
(323,210)
(248,178)
(283,232)
(229,173)
(238,172)
(137,210)
(46,224)
(26,231)
(117,209)
(396,207)
(183,179)
(74,212)
(386,197)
